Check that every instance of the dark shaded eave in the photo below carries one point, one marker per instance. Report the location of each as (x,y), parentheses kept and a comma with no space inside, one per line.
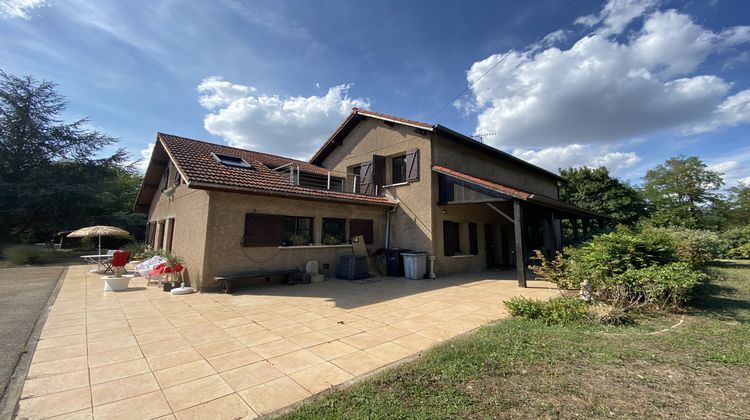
(151,179)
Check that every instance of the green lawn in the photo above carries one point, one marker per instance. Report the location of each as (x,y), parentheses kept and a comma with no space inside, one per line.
(517,368)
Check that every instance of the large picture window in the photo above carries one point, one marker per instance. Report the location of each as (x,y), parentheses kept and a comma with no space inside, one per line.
(333,231)
(297,231)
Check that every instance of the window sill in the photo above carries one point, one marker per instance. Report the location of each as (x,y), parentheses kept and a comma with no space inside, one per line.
(315,246)
(400,184)
(462,256)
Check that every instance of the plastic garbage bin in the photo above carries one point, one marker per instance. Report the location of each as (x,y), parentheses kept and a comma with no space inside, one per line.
(395,262)
(415,264)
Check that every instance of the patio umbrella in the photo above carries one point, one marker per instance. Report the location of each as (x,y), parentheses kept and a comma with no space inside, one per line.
(98,231)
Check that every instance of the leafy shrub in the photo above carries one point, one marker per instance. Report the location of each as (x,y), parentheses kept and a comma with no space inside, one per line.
(741,252)
(693,246)
(554,311)
(136,249)
(554,271)
(607,256)
(666,287)
(27,254)
(604,314)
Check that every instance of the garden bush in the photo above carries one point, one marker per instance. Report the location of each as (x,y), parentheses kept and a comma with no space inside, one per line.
(741,252)
(561,310)
(665,287)
(693,246)
(27,254)
(737,243)
(554,271)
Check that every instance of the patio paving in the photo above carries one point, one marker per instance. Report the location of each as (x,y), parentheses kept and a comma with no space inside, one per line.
(144,353)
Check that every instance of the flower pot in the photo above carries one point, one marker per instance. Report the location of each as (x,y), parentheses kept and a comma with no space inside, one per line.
(166,286)
(112,283)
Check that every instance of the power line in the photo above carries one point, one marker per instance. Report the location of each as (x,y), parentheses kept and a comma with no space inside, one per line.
(522,42)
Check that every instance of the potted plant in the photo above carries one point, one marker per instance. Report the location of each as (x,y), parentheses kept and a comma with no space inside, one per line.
(298,240)
(331,240)
(174,269)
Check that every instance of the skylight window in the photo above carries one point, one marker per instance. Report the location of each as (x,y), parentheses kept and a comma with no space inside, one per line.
(228,160)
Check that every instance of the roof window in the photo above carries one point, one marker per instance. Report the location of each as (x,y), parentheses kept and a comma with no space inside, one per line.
(228,160)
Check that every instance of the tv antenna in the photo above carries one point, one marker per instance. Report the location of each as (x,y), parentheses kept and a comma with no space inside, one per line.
(481,137)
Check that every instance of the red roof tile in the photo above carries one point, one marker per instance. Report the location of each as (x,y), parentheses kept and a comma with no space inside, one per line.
(194,161)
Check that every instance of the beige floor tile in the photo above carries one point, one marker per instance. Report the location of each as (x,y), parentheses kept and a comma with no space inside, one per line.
(196,392)
(113,343)
(56,367)
(55,383)
(436,333)
(54,404)
(321,377)
(166,346)
(332,350)
(121,389)
(167,360)
(292,330)
(310,339)
(146,406)
(236,321)
(322,323)
(234,359)
(258,338)
(231,407)
(219,347)
(182,373)
(390,352)
(295,361)
(57,353)
(277,322)
(187,321)
(85,414)
(251,375)
(248,328)
(275,348)
(207,337)
(415,342)
(116,371)
(340,331)
(274,395)
(388,332)
(107,334)
(114,356)
(61,341)
(61,332)
(156,336)
(363,340)
(359,362)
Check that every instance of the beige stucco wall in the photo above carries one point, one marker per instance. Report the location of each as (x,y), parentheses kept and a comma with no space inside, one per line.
(189,208)
(411,223)
(224,251)
(474,162)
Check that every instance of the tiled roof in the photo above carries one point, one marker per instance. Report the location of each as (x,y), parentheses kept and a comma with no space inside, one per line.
(194,161)
(392,117)
(523,195)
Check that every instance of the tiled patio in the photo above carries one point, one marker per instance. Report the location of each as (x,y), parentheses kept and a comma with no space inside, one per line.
(148,354)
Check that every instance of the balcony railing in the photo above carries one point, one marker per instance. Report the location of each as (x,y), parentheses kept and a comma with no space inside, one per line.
(332,180)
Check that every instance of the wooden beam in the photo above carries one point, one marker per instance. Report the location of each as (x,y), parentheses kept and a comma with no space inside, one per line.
(502,213)
(519,225)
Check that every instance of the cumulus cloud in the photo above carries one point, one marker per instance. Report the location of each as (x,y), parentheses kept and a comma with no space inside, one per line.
(634,74)
(19,8)
(289,126)
(577,155)
(142,163)
(735,168)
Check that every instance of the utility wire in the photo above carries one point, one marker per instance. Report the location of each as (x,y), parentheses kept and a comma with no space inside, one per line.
(522,42)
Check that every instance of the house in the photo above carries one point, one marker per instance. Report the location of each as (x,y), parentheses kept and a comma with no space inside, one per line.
(398,183)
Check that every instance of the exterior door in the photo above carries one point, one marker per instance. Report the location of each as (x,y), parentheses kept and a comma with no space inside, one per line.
(489,244)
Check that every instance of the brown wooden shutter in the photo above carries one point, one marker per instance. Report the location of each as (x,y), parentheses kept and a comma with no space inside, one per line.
(451,244)
(365,183)
(412,165)
(378,173)
(263,230)
(361,227)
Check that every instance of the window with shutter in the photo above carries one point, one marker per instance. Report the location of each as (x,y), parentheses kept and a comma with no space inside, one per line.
(398,169)
(451,244)
(411,165)
(473,244)
(361,227)
(263,230)
(365,175)
(378,173)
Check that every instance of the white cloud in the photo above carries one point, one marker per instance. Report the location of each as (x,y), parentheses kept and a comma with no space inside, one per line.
(576,155)
(19,8)
(733,111)
(142,163)
(616,15)
(289,126)
(601,90)
(735,168)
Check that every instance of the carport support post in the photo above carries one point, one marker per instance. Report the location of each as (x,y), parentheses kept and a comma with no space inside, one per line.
(574,225)
(518,223)
(585,222)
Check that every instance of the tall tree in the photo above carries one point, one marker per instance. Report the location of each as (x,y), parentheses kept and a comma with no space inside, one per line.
(50,175)
(596,190)
(682,192)
(738,204)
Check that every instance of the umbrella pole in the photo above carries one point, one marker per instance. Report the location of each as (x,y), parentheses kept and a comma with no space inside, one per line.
(99,259)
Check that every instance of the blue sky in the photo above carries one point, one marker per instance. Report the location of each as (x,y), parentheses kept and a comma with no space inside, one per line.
(624,83)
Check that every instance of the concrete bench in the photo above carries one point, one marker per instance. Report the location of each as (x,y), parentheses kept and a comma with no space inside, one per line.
(229,281)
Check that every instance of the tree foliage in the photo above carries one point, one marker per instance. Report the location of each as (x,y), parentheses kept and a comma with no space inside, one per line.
(683,192)
(738,203)
(594,189)
(52,174)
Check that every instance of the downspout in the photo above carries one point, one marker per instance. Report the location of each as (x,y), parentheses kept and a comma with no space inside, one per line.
(388,226)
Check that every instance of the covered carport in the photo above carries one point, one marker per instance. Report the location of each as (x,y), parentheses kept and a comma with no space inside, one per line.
(536,220)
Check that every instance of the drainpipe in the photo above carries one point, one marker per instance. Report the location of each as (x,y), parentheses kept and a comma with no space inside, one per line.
(388,227)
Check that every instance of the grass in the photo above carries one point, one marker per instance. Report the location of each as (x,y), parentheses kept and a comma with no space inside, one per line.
(518,368)
(57,257)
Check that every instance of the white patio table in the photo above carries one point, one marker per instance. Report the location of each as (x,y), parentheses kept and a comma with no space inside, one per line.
(98,259)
